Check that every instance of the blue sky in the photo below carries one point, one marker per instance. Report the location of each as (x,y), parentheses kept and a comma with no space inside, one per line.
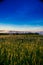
(21,13)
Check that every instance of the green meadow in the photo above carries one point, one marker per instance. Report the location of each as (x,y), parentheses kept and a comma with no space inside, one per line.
(21,49)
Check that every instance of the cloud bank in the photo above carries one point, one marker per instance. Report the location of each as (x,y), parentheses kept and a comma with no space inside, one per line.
(30,28)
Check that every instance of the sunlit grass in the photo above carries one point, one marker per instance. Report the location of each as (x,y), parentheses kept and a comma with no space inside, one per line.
(21,50)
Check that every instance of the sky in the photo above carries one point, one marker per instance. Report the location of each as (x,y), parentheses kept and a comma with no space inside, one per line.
(21,15)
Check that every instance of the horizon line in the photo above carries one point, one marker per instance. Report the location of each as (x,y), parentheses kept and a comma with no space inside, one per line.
(21,27)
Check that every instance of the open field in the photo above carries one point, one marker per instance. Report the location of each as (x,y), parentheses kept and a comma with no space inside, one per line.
(21,49)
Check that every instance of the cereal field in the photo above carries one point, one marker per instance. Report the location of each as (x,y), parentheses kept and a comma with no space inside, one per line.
(21,49)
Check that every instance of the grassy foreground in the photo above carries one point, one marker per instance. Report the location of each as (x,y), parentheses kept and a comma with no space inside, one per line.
(21,50)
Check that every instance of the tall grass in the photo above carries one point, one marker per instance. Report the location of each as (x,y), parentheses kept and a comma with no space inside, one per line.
(21,50)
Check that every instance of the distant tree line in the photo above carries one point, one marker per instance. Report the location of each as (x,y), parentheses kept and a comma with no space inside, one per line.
(19,33)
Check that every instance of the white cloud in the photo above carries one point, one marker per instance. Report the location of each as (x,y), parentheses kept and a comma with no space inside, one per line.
(21,27)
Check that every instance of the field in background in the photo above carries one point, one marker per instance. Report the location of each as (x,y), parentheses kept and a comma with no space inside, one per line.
(21,49)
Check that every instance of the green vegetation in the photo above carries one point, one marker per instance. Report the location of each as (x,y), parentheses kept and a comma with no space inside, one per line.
(21,49)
